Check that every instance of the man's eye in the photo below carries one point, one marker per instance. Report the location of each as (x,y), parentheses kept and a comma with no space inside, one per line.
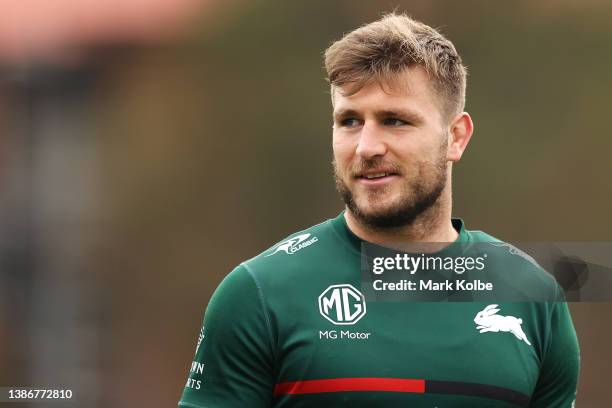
(394,122)
(350,122)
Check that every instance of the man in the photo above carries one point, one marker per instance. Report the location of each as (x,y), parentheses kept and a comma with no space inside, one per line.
(292,328)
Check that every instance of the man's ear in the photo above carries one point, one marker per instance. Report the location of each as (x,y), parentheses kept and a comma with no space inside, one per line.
(460,132)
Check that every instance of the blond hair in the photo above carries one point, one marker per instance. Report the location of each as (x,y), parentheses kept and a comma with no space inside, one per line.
(380,50)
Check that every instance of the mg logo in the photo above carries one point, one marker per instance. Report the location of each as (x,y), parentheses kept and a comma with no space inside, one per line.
(342,304)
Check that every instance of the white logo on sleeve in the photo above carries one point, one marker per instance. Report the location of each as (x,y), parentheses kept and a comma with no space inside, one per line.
(342,304)
(292,245)
(488,321)
(200,338)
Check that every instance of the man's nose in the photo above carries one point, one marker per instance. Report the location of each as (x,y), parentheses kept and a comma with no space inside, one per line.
(371,142)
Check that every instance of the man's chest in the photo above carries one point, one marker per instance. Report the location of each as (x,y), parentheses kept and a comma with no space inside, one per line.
(336,348)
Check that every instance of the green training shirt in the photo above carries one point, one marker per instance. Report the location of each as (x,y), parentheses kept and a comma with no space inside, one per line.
(292,327)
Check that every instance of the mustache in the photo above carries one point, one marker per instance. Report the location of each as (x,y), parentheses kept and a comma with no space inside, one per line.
(362,166)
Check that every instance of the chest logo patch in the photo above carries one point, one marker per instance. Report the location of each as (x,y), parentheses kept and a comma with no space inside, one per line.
(488,321)
(342,304)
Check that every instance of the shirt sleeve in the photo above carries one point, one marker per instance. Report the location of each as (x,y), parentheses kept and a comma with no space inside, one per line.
(556,386)
(234,360)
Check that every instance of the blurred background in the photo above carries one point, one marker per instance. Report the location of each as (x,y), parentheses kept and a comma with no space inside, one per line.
(149,146)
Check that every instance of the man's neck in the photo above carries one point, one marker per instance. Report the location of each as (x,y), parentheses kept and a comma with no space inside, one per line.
(433,228)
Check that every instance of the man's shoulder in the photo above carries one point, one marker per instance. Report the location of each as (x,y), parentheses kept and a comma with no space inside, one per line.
(512,264)
(302,249)
(502,250)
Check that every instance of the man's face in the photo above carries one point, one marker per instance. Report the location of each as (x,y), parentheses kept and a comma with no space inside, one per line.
(390,150)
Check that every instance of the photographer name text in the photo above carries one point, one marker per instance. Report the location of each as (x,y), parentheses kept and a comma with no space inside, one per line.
(433,286)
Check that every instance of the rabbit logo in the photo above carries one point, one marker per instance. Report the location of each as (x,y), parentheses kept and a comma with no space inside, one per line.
(488,321)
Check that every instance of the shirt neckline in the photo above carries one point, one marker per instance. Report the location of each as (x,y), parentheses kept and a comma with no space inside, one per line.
(342,229)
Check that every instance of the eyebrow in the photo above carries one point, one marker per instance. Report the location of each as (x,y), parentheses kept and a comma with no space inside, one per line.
(409,115)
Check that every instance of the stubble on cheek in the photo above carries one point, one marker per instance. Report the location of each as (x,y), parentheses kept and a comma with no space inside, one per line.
(368,199)
(341,187)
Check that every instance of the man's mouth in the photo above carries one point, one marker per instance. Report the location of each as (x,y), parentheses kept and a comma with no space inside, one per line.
(376,177)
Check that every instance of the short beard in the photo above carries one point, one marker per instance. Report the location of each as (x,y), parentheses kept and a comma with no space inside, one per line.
(422,197)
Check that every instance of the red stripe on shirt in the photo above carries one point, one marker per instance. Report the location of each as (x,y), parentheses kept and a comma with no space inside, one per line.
(350,384)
